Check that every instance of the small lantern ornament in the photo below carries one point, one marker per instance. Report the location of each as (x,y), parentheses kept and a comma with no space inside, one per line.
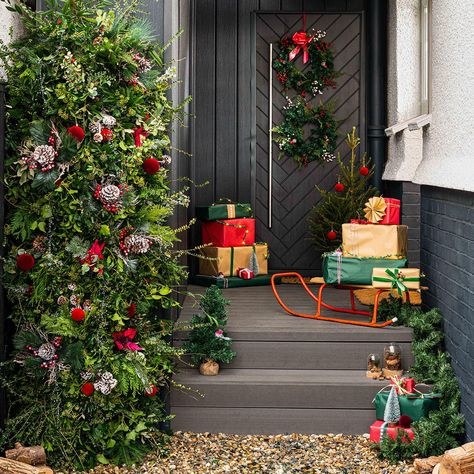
(392,356)
(374,367)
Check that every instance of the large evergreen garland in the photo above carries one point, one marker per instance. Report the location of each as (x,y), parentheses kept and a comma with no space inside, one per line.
(441,429)
(90,256)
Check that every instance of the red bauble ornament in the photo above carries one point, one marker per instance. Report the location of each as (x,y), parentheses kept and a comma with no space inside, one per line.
(132,309)
(405,421)
(107,134)
(331,235)
(151,165)
(151,391)
(25,262)
(364,171)
(87,389)
(339,187)
(77,133)
(78,314)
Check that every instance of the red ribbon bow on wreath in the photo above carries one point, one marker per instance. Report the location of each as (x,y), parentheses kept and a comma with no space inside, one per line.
(301,39)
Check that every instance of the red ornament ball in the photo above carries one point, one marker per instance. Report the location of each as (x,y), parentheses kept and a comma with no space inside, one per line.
(132,309)
(405,421)
(78,314)
(364,171)
(339,187)
(25,262)
(331,235)
(87,389)
(151,391)
(107,134)
(151,165)
(77,133)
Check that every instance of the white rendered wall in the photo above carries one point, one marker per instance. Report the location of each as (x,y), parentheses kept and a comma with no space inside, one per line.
(9,22)
(448,154)
(405,149)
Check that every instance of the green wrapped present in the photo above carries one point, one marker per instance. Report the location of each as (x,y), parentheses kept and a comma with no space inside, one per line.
(223,211)
(339,270)
(232,282)
(416,405)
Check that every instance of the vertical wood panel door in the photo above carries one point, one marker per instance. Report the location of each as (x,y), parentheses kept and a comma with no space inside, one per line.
(293,192)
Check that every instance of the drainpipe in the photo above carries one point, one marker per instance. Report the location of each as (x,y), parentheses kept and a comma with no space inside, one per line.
(2,219)
(376,80)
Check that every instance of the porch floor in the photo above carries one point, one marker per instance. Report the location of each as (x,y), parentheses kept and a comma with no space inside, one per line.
(291,374)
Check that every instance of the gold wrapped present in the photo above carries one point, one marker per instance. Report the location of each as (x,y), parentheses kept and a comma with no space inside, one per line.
(227,260)
(402,279)
(374,241)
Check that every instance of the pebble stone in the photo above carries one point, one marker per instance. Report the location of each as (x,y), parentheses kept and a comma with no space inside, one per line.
(202,453)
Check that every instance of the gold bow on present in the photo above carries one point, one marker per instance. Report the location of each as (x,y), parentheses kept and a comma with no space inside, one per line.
(375,209)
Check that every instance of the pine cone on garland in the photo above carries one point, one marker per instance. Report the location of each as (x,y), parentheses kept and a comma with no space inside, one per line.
(106,383)
(109,194)
(47,351)
(108,121)
(39,244)
(136,244)
(44,157)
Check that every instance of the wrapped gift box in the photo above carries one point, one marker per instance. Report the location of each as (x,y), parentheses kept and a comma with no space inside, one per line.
(356,271)
(408,278)
(374,241)
(392,212)
(227,260)
(415,406)
(229,232)
(376,431)
(232,282)
(223,211)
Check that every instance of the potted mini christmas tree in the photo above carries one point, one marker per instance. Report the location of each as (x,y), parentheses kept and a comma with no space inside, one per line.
(208,342)
(345,202)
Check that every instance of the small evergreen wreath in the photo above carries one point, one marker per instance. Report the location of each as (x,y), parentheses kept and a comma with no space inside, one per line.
(306,133)
(320,73)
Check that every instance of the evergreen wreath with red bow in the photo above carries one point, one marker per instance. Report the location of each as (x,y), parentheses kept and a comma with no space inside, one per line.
(320,73)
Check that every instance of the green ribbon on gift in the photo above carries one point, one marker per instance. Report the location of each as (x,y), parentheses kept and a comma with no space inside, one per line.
(396,278)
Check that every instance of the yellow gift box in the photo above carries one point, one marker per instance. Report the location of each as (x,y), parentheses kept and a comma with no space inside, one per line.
(227,260)
(374,241)
(401,279)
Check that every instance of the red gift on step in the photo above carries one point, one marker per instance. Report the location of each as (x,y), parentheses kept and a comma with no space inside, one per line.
(392,212)
(229,232)
(392,431)
(245,273)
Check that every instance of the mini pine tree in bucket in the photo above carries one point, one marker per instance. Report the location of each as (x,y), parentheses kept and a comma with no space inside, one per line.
(345,202)
(208,342)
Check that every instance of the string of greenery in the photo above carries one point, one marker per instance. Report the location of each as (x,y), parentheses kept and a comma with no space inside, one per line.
(443,429)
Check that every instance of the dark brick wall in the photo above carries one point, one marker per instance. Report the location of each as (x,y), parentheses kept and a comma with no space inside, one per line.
(409,194)
(447,258)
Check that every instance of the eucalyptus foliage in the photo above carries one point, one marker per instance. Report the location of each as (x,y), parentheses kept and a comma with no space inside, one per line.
(94,66)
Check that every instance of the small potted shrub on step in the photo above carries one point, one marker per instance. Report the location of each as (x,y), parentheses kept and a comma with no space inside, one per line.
(208,342)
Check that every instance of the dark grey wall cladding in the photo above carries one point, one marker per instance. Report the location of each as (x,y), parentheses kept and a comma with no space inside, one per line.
(447,258)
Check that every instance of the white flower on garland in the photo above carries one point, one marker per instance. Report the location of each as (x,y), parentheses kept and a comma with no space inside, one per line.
(106,383)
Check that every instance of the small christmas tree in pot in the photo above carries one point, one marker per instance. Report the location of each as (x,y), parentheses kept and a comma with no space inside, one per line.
(208,342)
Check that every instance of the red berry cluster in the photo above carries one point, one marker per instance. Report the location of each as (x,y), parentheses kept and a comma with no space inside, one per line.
(123,233)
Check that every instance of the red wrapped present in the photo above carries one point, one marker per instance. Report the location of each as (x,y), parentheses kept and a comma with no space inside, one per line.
(392,212)
(229,232)
(379,426)
(245,273)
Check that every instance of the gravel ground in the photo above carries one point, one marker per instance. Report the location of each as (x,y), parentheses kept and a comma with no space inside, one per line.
(201,453)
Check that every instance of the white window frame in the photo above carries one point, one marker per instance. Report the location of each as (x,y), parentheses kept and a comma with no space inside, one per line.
(424,118)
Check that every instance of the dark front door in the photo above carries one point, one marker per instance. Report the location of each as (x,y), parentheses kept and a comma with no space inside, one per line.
(282,203)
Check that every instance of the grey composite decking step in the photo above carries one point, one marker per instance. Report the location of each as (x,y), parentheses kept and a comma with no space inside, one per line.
(255,315)
(268,421)
(309,355)
(289,389)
